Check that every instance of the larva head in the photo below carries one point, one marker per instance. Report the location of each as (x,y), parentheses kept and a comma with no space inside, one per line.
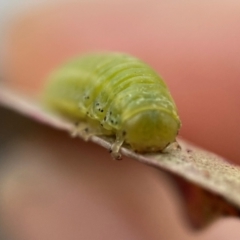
(151,130)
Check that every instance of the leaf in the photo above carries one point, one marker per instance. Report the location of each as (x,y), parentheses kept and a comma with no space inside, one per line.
(210,185)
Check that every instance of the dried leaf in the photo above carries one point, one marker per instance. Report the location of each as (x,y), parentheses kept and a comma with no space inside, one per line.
(208,182)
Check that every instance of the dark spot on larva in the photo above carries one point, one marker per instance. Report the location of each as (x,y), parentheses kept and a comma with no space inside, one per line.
(124,133)
(112,121)
(101,110)
(105,118)
(87,113)
(110,113)
(101,124)
(86,129)
(97,104)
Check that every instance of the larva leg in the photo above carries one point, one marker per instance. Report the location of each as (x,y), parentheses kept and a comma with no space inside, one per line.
(115,148)
(82,130)
(174,146)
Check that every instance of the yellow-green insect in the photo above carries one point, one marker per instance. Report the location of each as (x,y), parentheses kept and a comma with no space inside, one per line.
(115,94)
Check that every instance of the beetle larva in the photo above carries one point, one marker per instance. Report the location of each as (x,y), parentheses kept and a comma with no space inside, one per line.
(115,94)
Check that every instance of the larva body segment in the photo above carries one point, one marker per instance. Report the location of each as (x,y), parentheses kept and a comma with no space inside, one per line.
(116,94)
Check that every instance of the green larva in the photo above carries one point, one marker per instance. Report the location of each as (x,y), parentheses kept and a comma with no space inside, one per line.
(115,94)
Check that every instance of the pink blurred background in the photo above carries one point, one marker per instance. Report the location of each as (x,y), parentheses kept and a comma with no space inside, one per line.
(194,45)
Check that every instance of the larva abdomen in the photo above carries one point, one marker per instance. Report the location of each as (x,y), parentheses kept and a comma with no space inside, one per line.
(121,95)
